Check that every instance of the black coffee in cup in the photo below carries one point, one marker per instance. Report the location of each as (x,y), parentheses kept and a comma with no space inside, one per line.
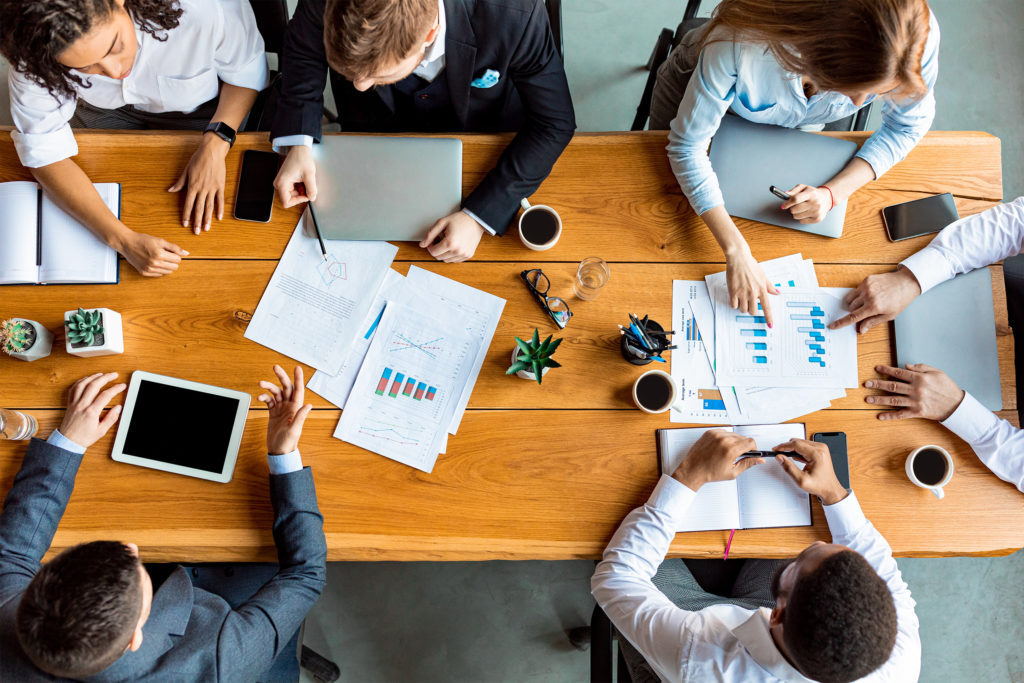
(930,467)
(539,225)
(654,391)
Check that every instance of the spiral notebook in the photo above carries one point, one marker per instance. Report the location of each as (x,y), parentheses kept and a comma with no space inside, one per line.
(41,244)
(763,496)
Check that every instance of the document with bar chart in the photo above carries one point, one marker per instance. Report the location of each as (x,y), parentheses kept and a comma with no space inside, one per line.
(409,384)
(799,351)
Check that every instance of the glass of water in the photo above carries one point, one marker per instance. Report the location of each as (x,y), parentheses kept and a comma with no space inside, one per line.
(591,276)
(16,426)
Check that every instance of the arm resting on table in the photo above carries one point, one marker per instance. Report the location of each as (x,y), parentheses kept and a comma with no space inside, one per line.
(997,443)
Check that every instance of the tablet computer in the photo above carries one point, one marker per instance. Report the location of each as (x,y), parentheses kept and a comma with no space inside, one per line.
(180,426)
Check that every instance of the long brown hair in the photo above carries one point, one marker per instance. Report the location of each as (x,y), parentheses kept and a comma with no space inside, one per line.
(837,44)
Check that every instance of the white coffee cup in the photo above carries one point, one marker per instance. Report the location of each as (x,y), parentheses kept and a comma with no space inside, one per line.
(934,488)
(672,392)
(531,208)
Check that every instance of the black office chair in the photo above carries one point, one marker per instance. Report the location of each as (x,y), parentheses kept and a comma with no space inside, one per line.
(271,20)
(669,40)
(554,8)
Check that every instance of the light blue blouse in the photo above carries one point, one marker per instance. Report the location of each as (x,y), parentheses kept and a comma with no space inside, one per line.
(746,78)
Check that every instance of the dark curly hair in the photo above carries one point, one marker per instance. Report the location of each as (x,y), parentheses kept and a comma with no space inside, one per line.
(37,31)
(840,620)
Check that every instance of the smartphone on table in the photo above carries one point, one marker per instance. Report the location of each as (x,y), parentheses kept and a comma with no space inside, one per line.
(836,442)
(254,199)
(919,217)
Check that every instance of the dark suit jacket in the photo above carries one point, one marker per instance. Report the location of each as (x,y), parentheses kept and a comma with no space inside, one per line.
(531,97)
(191,634)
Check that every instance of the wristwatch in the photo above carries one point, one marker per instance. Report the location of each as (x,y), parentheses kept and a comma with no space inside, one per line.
(221,130)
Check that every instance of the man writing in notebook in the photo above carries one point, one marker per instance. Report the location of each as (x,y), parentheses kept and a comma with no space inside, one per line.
(924,391)
(428,66)
(837,612)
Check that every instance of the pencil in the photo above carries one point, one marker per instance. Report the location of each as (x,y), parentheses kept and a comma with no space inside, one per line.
(316,228)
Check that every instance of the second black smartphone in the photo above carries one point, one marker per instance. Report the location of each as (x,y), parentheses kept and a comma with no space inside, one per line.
(836,442)
(254,199)
(919,217)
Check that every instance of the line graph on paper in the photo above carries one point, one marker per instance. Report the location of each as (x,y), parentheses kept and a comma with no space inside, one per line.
(430,348)
(390,431)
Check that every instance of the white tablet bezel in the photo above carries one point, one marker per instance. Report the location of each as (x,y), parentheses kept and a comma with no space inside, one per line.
(237,429)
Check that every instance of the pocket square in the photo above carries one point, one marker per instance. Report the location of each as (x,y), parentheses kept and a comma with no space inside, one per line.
(488,80)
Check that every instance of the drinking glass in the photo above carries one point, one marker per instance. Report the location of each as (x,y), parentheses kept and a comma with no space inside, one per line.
(591,276)
(16,426)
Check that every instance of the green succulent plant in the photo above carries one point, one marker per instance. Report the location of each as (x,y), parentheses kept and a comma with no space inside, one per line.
(16,336)
(534,356)
(83,327)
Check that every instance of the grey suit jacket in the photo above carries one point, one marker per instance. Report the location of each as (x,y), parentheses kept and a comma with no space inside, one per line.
(191,634)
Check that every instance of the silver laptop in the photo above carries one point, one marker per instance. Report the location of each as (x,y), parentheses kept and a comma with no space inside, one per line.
(750,157)
(385,188)
(952,327)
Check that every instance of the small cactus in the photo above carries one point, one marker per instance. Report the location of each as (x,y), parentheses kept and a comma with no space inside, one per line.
(16,336)
(534,356)
(83,327)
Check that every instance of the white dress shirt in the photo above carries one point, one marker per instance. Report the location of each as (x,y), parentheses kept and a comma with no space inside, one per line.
(215,40)
(727,642)
(967,244)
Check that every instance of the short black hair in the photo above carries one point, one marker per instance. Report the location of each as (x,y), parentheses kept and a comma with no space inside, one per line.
(36,32)
(840,620)
(78,614)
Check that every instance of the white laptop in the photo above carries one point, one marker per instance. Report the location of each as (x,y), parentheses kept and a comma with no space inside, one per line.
(385,187)
(750,157)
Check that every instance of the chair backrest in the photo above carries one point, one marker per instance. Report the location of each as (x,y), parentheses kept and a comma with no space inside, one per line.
(271,20)
(554,8)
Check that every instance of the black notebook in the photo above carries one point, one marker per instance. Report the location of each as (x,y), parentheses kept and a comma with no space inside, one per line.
(41,244)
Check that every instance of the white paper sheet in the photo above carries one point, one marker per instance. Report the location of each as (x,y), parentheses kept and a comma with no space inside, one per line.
(312,309)
(716,505)
(702,401)
(337,389)
(768,496)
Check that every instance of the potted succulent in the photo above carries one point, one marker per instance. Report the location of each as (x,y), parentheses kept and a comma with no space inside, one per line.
(96,332)
(25,339)
(532,359)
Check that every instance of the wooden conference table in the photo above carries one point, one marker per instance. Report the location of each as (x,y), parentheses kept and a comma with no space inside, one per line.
(541,472)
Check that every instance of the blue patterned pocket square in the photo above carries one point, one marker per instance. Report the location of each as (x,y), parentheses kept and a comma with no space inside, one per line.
(488,80)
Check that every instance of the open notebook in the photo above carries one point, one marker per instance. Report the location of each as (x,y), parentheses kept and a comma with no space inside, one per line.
(763,496)
(41,244)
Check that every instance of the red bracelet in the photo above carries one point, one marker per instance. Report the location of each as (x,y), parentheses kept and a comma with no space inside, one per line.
(831,196)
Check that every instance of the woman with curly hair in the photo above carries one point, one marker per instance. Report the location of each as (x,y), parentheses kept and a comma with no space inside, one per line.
(177,64)
(795,63)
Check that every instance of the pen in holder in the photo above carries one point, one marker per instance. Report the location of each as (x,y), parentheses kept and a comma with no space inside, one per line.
(643,341)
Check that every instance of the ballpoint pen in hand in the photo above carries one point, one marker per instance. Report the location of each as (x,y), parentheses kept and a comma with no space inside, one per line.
(316,229)
(768,454)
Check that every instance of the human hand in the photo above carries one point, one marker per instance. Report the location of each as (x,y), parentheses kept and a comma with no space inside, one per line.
(204,178)
(923,391)
(878,299)
(287,412)
(84,421)
(808,204)
(715,457)
(817,477)
(461,236)
(748,284)
(151,256)
(296,179)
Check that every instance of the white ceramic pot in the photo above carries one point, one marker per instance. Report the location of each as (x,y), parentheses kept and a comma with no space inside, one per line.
(40,348)
(113,335)
(526,374)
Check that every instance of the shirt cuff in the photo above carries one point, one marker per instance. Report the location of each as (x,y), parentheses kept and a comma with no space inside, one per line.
(283,464)
(930,268)
(479,220)
(671,497)
(60,441)
(36,150)
(971,420)
(845,517)
(279,144)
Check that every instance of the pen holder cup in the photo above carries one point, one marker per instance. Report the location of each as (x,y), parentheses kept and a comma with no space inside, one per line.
(637,355)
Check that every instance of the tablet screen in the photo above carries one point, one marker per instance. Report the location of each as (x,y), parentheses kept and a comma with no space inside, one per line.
(181,427)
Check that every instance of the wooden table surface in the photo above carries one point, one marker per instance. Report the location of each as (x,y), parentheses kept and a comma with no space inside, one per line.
(535,472)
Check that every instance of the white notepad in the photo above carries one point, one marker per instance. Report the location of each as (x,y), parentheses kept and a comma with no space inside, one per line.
(41,244)
(763,496)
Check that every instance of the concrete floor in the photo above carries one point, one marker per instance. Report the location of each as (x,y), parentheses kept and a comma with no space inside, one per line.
(504,621)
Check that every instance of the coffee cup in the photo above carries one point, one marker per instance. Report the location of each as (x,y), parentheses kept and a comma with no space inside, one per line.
(654,391)
(930,467)
(540,226)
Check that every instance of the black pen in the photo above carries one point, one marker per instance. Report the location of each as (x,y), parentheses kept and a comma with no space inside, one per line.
(316,228)
(778,193)
(769,454)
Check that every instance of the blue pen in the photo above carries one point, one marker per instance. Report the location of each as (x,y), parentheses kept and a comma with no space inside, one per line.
(636,333)
(657,358)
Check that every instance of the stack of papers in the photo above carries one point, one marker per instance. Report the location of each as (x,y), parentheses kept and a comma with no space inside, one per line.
(732,369)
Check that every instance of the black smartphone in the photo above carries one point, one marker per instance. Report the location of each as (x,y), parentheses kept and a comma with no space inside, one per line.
(254,199)
(836,442)
(919,217)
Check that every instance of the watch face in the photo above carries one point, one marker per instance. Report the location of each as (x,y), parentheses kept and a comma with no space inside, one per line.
(222,130)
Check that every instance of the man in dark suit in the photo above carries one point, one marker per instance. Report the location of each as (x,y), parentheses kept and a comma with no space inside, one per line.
(422,66)
(92,613)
